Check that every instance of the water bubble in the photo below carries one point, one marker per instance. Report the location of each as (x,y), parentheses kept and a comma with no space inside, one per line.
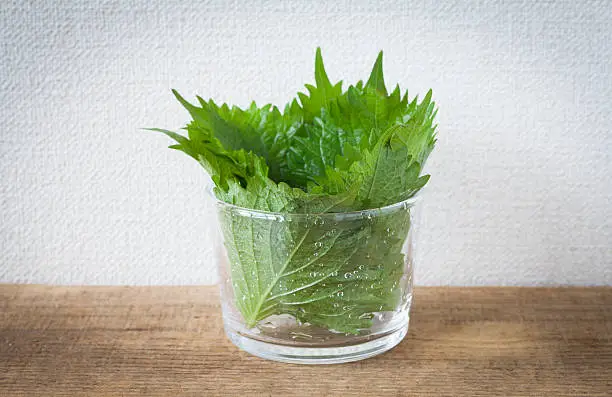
(340,294)
(316,254)
(318,244)
(339,285)
(348,275)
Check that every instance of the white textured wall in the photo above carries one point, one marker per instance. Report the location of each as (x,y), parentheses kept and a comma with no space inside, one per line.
(521,190)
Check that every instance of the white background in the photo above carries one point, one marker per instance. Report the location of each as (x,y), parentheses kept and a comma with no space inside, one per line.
(521,191)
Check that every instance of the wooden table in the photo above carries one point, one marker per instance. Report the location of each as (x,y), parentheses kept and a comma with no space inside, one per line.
(168,341)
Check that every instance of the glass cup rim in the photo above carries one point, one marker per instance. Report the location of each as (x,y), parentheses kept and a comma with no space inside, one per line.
(261,214)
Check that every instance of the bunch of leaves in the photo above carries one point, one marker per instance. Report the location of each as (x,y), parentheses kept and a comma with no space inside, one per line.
(329,151)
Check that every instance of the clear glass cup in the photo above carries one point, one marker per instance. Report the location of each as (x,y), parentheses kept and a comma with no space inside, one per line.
(315,288)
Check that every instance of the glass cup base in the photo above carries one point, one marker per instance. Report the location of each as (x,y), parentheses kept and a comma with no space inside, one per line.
(320,355)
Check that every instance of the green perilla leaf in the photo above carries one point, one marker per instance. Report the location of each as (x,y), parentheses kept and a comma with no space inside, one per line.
(329,150)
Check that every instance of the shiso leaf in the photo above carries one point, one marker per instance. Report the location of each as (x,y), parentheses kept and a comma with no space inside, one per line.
(328,151)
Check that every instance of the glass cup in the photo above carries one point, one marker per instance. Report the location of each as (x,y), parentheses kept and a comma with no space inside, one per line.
(315,288)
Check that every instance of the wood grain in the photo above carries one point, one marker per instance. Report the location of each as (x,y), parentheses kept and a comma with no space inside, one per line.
(160,341)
